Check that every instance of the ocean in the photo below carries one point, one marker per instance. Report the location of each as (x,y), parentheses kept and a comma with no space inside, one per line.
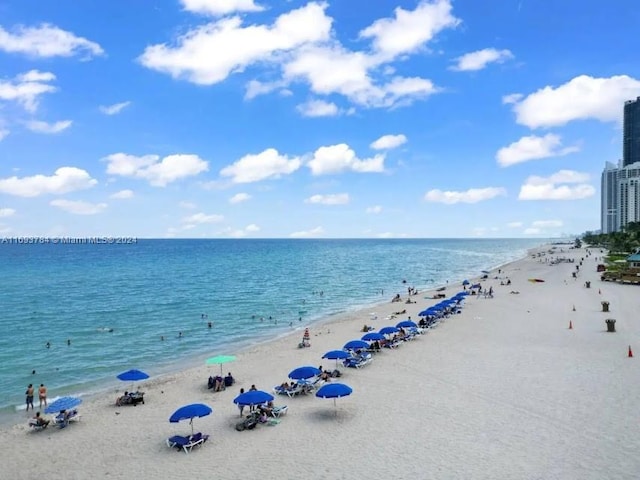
(79,314)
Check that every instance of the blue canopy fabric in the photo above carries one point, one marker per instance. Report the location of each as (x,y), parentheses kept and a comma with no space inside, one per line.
(189,412)
(336,355)
(253,397)
(406,324)
(355,345)
(302,373)
(466,282)
(388,330)
(132,376)
(63,403)
(334,390)
(372,337)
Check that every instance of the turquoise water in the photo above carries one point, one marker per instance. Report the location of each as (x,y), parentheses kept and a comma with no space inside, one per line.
(159,288)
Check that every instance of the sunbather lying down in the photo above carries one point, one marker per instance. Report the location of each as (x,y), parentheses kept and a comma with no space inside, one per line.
(130,398)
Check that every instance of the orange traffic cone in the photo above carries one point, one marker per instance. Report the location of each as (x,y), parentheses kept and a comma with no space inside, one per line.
(570,325)
(630,352)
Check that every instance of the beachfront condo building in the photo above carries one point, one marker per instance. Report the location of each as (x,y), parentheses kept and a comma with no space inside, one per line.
(620,201)
(631,133)
(620,187)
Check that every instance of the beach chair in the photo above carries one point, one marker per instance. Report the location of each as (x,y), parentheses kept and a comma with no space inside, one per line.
(61,422)
(38,425)
(187,443)
(279,411)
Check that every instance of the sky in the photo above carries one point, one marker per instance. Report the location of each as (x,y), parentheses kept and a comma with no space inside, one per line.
(311,119)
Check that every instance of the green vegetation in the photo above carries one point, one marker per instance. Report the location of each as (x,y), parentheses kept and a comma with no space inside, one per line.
(622,243)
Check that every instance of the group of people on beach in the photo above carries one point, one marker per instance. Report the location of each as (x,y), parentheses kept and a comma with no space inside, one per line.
(42,395)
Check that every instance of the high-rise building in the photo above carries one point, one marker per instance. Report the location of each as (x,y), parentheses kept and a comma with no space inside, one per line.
(620,200)
(631,133)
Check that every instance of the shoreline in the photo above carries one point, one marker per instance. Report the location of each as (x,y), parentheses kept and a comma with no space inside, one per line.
(502,390)
(98,387)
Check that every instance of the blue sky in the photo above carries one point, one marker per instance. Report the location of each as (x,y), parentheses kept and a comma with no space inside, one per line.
(288,118)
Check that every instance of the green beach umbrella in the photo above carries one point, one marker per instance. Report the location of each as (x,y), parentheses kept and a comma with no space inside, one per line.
(219,360)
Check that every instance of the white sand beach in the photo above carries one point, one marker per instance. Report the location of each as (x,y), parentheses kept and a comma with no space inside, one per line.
(504,390)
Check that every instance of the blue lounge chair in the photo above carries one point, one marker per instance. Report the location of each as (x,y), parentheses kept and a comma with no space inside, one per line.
(186,443)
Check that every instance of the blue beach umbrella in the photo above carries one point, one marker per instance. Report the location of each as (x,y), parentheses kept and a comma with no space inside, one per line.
(466,282)
(407,324)
(334,390)
(302,373)
(63,403)
(372,337)
(336,355)
(189,412)
(355,345)
(132,376)
(253,397)
(388,330)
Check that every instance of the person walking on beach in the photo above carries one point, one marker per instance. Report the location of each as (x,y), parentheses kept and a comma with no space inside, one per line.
(29,394)
(42,394)
(241,407)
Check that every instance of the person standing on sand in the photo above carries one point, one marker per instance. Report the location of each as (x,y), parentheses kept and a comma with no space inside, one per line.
(42,393)
(29,394)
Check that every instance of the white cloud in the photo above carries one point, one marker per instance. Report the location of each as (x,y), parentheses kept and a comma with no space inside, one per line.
(335,199)
(157,172)
(240,233)
(200,218)
(187,205)
(315,232)
(581,98)
(318,108)
(239,197)
(387,142)
(115,108)
(64,180)
(264,165)
(46,40)
(7,212)
(512,98)
(26,89)
(301,45)
(122,194)
(410,29)
(532,231)
(547,224)
(375,209)
(39,126)
(338,158)
(533,147)
(78,207)
(3,133)
(209,53)
(557,187)
(220,7)
(514,224)
(473,195)
(480,59)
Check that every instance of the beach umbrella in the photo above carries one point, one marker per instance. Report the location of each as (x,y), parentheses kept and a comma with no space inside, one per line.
(336,355)
(334,390)
(220,360)
(132,376)
(189,412)
(466,282)
(388,330)
(253,397)
(356,345)
(407,324)
(372,337)
(486,272)
(302,373)
(63,403)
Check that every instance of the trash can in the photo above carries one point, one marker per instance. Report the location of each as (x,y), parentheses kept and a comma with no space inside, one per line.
(611,324)
(587,284)
(605,306)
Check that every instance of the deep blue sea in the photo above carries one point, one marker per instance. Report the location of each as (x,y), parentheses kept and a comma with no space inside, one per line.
(159,288)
